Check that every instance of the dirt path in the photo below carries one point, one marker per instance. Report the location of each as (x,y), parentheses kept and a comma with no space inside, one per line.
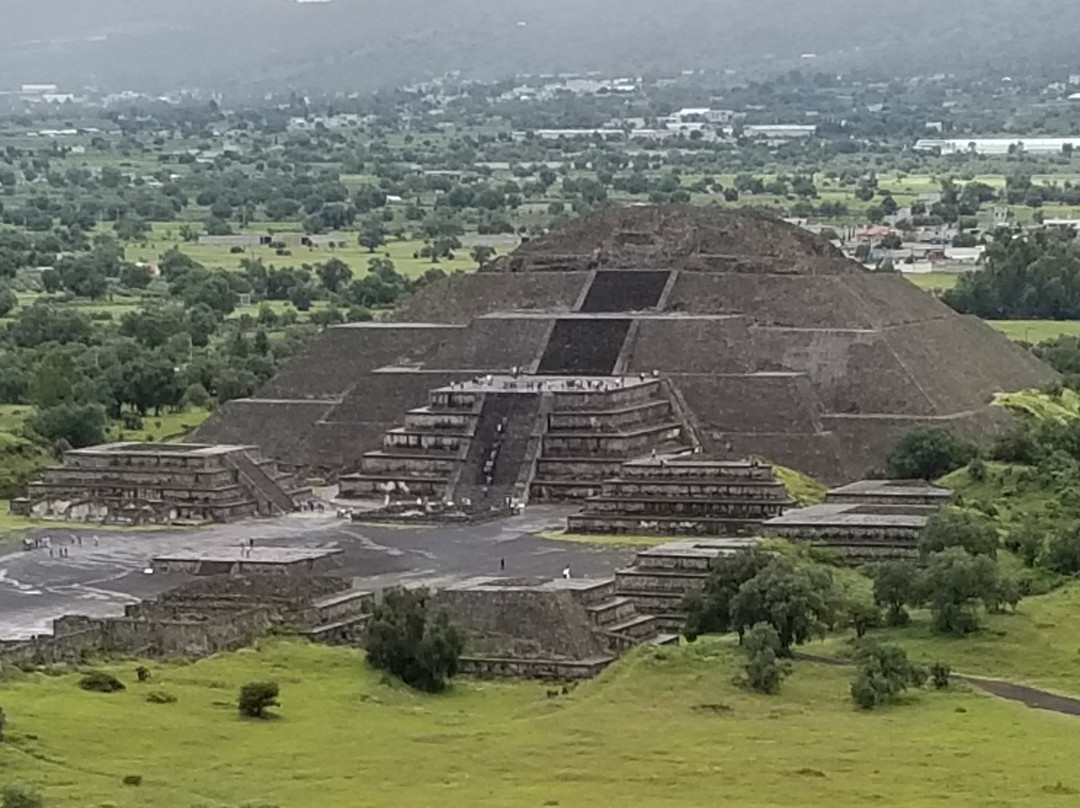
(1030,696)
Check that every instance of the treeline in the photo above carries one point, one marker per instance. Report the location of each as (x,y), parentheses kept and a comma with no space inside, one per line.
(1034,275)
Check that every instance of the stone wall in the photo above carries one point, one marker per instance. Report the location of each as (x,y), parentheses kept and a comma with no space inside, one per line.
(521,622)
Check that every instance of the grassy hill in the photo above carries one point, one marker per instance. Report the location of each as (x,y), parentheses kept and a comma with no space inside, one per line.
(664,727)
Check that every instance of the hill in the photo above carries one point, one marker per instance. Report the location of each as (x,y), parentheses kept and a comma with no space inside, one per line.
(349,44)
(663,727)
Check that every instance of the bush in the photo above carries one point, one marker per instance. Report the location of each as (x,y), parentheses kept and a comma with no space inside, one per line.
(160,697)
(256,697)
(405,641)
(953,527)
(927,453)
(132,779)
(939,674)
(883,673)
(101,682)
(764,668)
(14,796)
(1062,553)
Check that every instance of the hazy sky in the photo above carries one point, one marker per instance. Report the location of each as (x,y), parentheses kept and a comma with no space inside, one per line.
(370,42)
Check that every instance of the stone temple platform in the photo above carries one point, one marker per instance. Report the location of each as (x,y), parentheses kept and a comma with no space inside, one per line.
(661,577)
(253,560)
(160,483)
(557,629)
(867,519)
(687,494)
(489,441)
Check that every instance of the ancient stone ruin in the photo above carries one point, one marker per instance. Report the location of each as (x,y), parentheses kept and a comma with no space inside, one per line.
(864,520)
(561,629)
(730,332)
(158,483)
(687,495)
(207,616)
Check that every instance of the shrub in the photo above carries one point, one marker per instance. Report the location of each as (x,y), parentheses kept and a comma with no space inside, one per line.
(132,779)
(928,453)
(896,586)
(15,796)
(764,668)
(404,640)
(956,583)
(256,697)
(160,697)
(1062,553)
(953,527)
(939,674)
(101,682)
(883,673)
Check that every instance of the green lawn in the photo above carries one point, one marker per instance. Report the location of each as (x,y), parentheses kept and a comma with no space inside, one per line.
(1038,645)
(930,281)
(1037,330)
(357,257)
(664,728)
(167,427)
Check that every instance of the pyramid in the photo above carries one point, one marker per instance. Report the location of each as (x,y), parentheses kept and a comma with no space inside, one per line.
(731,332)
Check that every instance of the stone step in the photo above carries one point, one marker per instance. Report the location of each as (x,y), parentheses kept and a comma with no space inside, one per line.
(664,639)
(612,611)
(639,626)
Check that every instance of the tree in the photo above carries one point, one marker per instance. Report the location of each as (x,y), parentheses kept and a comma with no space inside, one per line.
(861,617)
(1062,552)
(256,698)
(403,639)
(928,453)
(797,602)
(372,235)
(334,274)
(955,583)
(78,424)
(15,796)
(883,673)
(709,611)
(954,527)
(481,254)
(896,585)
(764,668)
(134,276)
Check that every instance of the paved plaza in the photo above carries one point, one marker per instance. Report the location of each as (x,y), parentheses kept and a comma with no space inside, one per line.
(101,571)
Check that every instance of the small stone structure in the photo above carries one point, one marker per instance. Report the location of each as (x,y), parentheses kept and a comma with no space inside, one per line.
(251,560)
(867,519)
(561,629)
(686,495)
(661,577)
(152,483)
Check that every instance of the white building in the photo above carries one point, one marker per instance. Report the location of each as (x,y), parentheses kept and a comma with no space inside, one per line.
(997,145)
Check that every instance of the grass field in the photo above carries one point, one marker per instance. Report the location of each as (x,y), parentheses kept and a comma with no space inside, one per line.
(931,281)
(663,728)
(1035,331)
(400,252)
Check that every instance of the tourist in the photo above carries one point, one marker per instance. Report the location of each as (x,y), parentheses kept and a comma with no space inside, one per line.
(566,573)
(502,564)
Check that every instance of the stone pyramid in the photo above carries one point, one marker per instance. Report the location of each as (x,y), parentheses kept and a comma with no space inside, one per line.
(747,333)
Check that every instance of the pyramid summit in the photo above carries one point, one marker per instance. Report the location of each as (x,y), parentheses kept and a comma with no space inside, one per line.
(628,332)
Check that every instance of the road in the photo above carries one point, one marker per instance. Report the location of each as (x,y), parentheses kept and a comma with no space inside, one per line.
(104,572)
